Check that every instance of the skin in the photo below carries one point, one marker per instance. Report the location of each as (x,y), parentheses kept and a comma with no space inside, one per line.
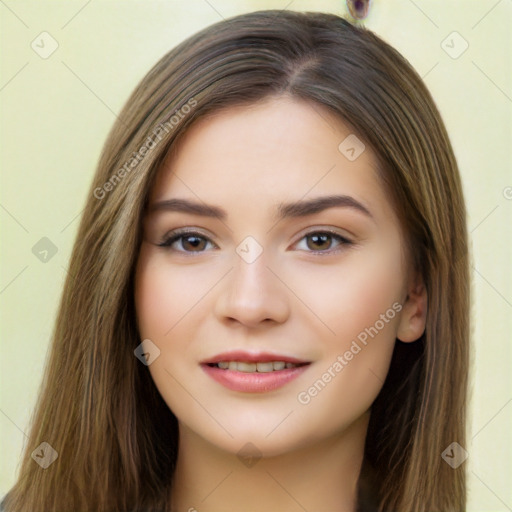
(198,298)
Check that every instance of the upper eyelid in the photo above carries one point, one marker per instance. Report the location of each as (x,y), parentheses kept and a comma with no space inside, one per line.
(186,231)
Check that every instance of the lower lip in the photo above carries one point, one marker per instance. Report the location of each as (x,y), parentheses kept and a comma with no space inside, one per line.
(253,382)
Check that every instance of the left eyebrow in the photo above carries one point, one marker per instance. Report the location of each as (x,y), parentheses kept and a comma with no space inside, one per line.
(316,205)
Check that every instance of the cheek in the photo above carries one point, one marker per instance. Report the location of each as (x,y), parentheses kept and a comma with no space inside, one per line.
(351,296)
(172,305)
(356,310)
(167,294)
(164,300)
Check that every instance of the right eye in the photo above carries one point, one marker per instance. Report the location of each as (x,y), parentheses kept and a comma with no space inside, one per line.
(187,242)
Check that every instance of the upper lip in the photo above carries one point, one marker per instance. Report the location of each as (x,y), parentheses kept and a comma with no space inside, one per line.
(251,357)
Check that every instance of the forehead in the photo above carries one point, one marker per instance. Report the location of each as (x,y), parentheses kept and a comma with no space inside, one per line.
(280,149)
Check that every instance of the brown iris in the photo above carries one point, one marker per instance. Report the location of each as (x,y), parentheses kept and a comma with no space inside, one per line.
(319,241)
(193,243)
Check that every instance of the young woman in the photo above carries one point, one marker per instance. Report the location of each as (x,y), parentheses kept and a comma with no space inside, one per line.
(267,306)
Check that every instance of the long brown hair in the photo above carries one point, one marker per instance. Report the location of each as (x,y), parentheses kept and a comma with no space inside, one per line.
(99,409)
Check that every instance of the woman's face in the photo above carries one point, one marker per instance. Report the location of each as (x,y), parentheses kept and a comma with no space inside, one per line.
(269,239)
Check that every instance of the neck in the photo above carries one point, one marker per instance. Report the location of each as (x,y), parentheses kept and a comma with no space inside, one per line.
(321,477)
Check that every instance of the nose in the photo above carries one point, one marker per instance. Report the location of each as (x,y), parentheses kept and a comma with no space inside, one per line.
(252,295)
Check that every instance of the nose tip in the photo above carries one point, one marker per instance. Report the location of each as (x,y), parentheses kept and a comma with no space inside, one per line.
(252,296)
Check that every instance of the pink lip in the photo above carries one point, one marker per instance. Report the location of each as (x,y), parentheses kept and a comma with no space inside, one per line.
(247,357)
(253,382)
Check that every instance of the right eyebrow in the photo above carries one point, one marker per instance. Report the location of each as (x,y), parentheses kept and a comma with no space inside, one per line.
(186,206)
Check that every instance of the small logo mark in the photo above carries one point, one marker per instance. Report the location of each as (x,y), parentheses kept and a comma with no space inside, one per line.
(44,250)
(249,455)
(351,147)
(147,352)
(454,45)
(44,45)
(44,455)
(249,249)
(454,455)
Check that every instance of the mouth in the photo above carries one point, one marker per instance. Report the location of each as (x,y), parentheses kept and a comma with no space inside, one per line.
(259,367)
(253,373)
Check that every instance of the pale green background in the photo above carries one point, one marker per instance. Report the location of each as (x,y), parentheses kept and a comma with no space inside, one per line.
(55,115)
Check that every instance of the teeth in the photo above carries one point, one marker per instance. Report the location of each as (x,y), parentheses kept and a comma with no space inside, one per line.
(245,367)
(267,367)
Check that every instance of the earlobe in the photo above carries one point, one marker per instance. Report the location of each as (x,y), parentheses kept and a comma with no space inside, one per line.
(414,313)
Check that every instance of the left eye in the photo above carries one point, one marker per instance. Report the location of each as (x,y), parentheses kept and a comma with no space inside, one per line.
(321,241)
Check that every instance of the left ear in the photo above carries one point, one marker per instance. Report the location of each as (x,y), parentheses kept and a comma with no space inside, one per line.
(414,312)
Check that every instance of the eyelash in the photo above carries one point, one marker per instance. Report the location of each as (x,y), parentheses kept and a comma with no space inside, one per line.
(175,236)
